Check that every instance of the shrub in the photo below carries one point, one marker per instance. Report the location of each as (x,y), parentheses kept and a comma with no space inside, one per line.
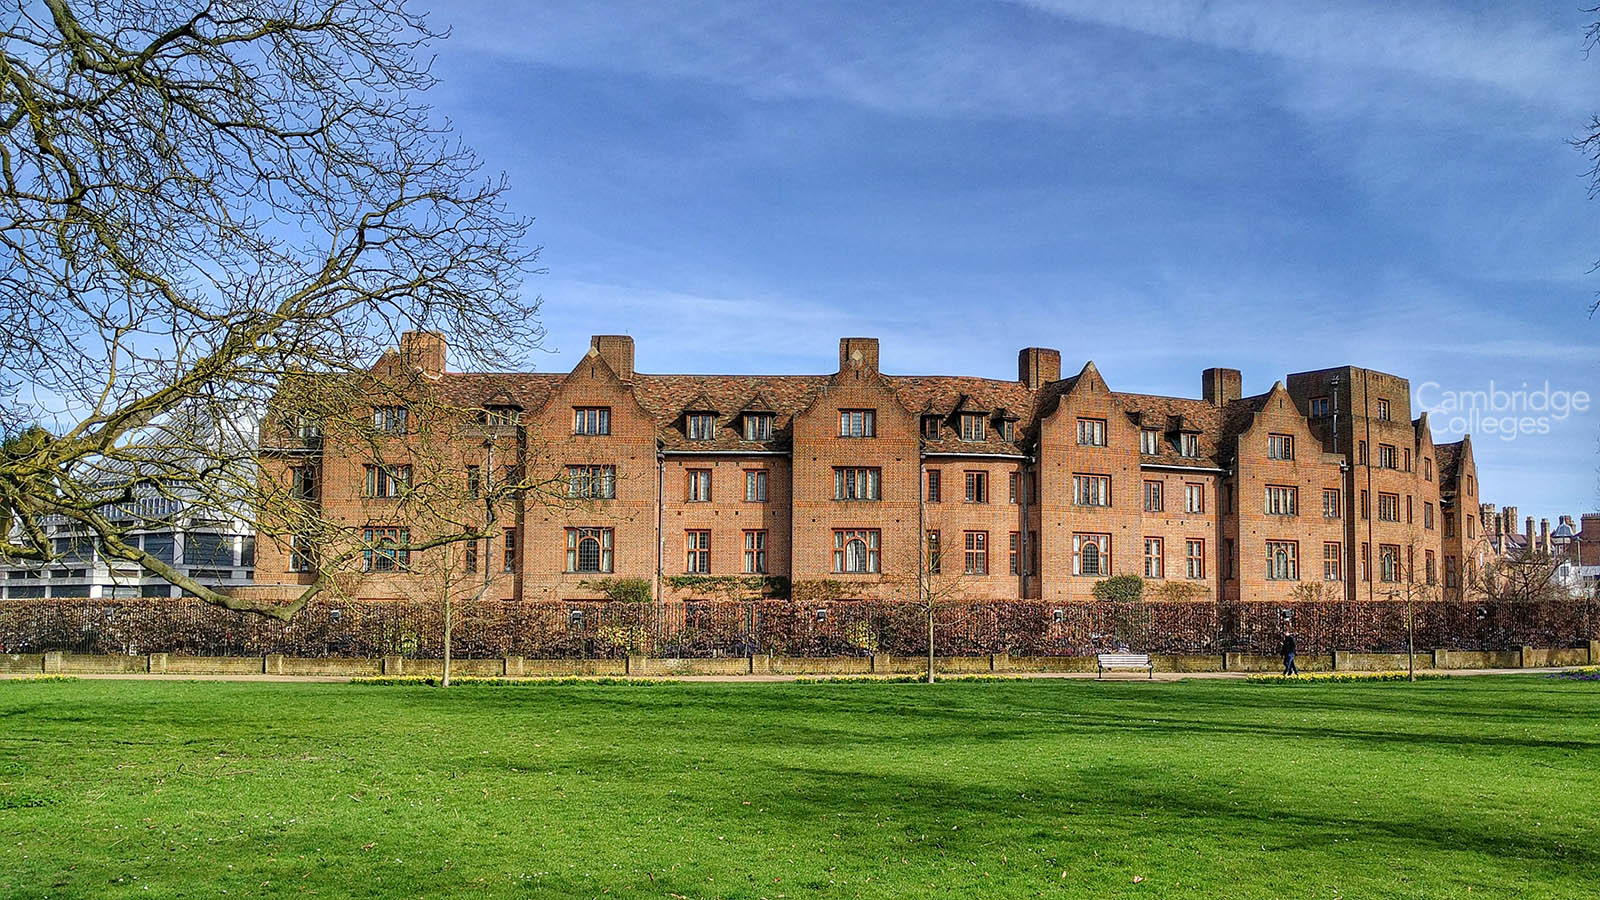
(1179,592)
(1119,588)
(623,590)
(822,590)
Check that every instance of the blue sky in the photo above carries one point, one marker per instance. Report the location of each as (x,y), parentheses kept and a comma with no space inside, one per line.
(1157,186)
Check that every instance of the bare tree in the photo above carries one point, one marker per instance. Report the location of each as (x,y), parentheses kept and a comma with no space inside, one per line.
(198,199)
(1527,577)
(1588,142)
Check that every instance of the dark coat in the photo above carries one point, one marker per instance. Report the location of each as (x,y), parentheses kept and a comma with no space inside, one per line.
(1288,644)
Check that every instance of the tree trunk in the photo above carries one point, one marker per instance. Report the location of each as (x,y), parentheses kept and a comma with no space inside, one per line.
(930,643)
(449,617)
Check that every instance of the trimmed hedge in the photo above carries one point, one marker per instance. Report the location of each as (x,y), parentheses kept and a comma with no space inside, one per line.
(493,629)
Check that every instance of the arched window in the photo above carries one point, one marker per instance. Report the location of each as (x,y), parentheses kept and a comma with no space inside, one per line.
(855,556)
(855,551)
(589,554)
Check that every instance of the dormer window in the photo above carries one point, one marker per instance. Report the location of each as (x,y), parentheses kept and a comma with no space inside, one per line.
(973,427)
(930,427)
(1189,445)
(758,426)
(495,414)
(702,426)
(1008,430)
(1149,441)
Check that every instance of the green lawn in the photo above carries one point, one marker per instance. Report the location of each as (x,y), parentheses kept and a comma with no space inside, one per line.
(1462,788)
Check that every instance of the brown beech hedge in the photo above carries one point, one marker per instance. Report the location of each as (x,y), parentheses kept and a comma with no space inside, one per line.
(824,628)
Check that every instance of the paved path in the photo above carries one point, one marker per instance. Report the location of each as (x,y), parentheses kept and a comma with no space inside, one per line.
(735,679)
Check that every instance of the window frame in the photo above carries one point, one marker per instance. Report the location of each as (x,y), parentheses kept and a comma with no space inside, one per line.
(604,539)
(1153,497)
(1282,500)
(1286,552)
(697,550)
(697,486)
(858,423)
(1102,555)
(1332,561)
(1091,490)
(755,551)
(871,549)
(975,486)
(755,485)
(975,552)
(1091,432)
(974,428)
(591,421)
(1155,563)
(700,426)
(591,481)
(758,426)
(1194,558)
(1189,445)
(372,552)
(857,484)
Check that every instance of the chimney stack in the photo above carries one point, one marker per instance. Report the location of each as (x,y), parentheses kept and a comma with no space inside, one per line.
(1589,540)
(1220,387)
(424,351)
(1512,522)
(617,351)
(1528,534)
(1544,536)
(1038,366)
(858,354)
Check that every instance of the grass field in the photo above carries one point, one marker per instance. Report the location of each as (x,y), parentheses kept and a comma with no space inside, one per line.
(1481,787)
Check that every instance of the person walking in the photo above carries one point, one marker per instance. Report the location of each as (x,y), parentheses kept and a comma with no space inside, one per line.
(1288,654)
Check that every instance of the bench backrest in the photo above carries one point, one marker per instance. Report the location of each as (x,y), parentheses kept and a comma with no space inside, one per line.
(1124,659)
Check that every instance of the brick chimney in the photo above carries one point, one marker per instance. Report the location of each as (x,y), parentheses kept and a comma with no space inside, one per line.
(1510,516)
(1038,366)
(424,351)
(858,354)
(1544,536)
(1528,534)
(1589,537)
(617,351)
(1221,386)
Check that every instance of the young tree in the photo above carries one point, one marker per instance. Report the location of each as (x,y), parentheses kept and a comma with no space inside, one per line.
(199,200)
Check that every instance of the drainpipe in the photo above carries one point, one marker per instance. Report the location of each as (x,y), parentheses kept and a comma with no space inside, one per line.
(1366,392)
(661,476)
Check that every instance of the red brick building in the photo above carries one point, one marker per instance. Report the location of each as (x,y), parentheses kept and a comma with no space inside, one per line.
(1324,486)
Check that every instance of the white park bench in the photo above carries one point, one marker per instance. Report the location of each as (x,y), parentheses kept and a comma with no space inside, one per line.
(1125,661)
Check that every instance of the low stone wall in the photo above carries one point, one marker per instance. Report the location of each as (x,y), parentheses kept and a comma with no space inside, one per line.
(876,664)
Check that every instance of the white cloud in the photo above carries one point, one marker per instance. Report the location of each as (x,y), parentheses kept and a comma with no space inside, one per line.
(1528,60)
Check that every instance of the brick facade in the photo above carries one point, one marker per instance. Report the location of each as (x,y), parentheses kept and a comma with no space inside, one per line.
(1322,486)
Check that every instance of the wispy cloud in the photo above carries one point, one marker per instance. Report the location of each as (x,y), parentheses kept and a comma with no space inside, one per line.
(974,60)
(1528,60)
